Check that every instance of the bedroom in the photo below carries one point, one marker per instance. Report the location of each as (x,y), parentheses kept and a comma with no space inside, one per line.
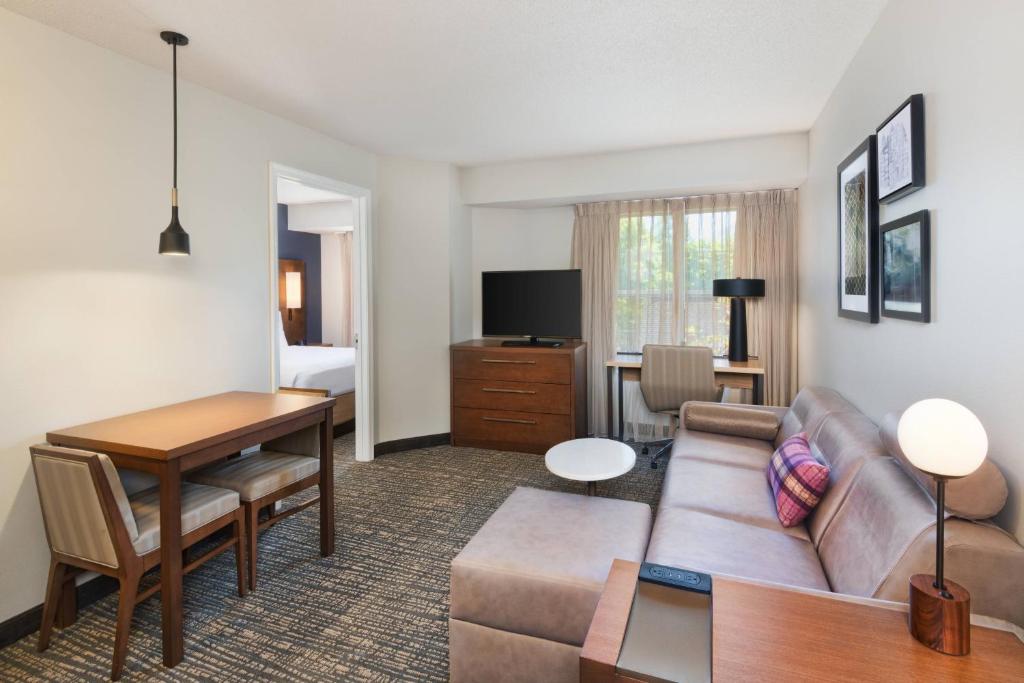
(314,323)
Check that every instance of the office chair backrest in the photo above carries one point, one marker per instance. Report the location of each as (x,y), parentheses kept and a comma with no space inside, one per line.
(75,488)
(671,375)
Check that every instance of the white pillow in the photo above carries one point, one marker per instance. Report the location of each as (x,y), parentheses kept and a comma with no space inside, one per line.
(282,340)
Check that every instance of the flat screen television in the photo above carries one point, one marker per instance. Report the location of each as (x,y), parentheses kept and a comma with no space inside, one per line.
(532,303)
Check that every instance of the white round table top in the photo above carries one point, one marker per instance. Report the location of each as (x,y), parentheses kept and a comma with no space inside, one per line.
(590,459)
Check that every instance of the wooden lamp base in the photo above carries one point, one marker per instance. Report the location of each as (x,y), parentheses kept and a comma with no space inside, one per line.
(941,623)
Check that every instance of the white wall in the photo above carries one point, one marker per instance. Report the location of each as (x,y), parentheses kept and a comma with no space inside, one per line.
(412,298)
(461,255)
(320,216)
(966,58)
(93,321)
(769,162)
(518,239)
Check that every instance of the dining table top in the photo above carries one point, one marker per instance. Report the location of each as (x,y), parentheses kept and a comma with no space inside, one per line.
(174,430)
(633,361)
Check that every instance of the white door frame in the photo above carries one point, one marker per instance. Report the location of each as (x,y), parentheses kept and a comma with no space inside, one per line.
(362,304)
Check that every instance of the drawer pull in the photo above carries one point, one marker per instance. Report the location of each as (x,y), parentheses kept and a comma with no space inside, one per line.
(507,391)
(509,420)
(512,362)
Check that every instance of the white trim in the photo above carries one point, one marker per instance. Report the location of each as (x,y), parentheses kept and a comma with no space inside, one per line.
(363,308)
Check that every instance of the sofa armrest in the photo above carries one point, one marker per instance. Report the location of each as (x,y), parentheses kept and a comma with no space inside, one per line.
(732,419)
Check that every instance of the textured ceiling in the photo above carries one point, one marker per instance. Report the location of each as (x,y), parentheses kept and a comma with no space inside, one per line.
(474,81)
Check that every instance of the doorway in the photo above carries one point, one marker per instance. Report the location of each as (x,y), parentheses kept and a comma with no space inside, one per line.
(320,298)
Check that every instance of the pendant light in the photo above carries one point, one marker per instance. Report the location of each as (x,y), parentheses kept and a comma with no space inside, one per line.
(174,240)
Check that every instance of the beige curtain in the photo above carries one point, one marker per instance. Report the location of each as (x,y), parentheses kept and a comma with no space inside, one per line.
(595,236)
(766,248)
(347,332)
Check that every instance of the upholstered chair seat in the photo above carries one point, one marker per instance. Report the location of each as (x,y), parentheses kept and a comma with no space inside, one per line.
(258,474)
(199,505)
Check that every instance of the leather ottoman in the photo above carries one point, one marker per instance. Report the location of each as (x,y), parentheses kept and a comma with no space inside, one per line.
(524,589)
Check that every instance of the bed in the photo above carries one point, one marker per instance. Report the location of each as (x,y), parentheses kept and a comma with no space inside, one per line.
(321,367)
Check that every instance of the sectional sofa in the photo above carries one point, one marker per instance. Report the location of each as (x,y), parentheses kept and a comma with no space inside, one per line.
(524,589)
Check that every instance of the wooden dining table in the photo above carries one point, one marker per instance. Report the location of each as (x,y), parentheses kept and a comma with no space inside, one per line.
(172,440)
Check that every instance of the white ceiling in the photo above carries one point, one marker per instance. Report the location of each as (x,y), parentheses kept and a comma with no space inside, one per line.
(475,81)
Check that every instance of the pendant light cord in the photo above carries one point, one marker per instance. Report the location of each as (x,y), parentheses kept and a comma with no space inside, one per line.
(174,71)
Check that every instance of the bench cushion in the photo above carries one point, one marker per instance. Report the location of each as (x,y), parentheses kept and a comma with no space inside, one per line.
(199,505)
(254,476)
(538,565)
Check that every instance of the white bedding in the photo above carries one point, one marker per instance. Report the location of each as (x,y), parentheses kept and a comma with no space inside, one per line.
(319,367)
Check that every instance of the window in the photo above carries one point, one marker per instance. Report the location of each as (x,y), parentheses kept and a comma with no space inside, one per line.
(665,280)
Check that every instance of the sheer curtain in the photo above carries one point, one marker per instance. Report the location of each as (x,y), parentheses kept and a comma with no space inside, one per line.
(347,331)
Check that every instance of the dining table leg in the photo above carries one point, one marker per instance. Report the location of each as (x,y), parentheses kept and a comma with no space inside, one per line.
(170,561)
(327,483)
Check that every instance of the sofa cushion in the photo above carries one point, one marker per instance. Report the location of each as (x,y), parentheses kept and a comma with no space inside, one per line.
(845,441)
(979,495)
(809,408)
(716,545)
(797,480)
(733,420)
(737,451)
(737,493)
(538,565)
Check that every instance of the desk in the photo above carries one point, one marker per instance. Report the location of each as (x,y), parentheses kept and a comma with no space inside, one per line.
(763,632)
(172,440)
(732,374)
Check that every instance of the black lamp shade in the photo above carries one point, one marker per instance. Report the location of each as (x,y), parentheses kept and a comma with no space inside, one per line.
(739,286)
(174,239)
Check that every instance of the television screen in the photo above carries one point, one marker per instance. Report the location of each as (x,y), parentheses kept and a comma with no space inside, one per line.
(532,303)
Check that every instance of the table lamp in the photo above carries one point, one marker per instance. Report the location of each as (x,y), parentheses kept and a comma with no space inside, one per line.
(946,440)
(739,290)
(292,291)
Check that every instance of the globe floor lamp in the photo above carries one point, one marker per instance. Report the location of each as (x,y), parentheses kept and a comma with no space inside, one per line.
(947,441)
(739,290)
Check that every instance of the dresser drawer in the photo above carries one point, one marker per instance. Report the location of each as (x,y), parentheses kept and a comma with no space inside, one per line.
(509,430)
(552,368)
(530,397)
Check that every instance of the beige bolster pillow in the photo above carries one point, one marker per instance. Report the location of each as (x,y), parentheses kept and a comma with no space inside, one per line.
(979,495)
(730,419)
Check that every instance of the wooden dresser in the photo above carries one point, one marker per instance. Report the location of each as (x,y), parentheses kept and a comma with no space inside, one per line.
(518,398)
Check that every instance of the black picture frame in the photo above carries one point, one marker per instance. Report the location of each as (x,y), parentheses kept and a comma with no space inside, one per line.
(867,310)
(885,137)
(923,275)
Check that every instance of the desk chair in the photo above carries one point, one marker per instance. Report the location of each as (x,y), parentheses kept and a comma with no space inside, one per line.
(92,525)
(672,375)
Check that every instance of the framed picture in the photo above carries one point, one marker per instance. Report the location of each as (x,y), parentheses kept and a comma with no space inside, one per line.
(900,145)
(906,268)
(858,234)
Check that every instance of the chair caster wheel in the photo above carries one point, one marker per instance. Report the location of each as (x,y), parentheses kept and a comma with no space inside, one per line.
(654,465)
(644,450)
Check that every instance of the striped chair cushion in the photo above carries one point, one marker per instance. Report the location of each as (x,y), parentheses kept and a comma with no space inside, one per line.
(199,505)
(254,476)
(797,480)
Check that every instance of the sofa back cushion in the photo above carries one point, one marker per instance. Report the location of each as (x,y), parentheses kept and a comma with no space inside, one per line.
(808,409)
(979,495)
(844,441)
(882,515)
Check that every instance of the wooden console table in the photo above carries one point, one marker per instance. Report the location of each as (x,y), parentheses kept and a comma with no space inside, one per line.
(767,633)
(171,440)
(730,374)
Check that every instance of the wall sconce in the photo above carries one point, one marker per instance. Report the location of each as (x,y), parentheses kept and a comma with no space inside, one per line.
(292,292)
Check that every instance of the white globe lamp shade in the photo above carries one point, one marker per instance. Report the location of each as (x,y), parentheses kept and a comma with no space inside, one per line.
(942,438)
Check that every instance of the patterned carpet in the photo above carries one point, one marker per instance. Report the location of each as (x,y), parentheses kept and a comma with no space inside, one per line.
(376,610)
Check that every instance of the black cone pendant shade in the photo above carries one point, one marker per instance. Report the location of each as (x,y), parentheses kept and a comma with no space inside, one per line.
(174,239)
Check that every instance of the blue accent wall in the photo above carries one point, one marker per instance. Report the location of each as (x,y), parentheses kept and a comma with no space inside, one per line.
(304,246)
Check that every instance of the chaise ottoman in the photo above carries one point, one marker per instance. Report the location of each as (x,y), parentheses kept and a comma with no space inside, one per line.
(525,587)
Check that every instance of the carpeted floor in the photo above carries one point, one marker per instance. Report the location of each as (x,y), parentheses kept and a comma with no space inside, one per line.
(376,610)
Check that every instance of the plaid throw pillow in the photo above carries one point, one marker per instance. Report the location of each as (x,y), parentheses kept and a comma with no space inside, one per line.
(797,480)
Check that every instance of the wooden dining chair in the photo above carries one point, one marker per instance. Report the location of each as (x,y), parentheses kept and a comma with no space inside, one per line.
(92,525)
(281,468)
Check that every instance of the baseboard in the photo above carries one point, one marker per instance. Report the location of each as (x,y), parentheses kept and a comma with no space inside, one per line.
(26,623)
(412,443)
(346,427)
